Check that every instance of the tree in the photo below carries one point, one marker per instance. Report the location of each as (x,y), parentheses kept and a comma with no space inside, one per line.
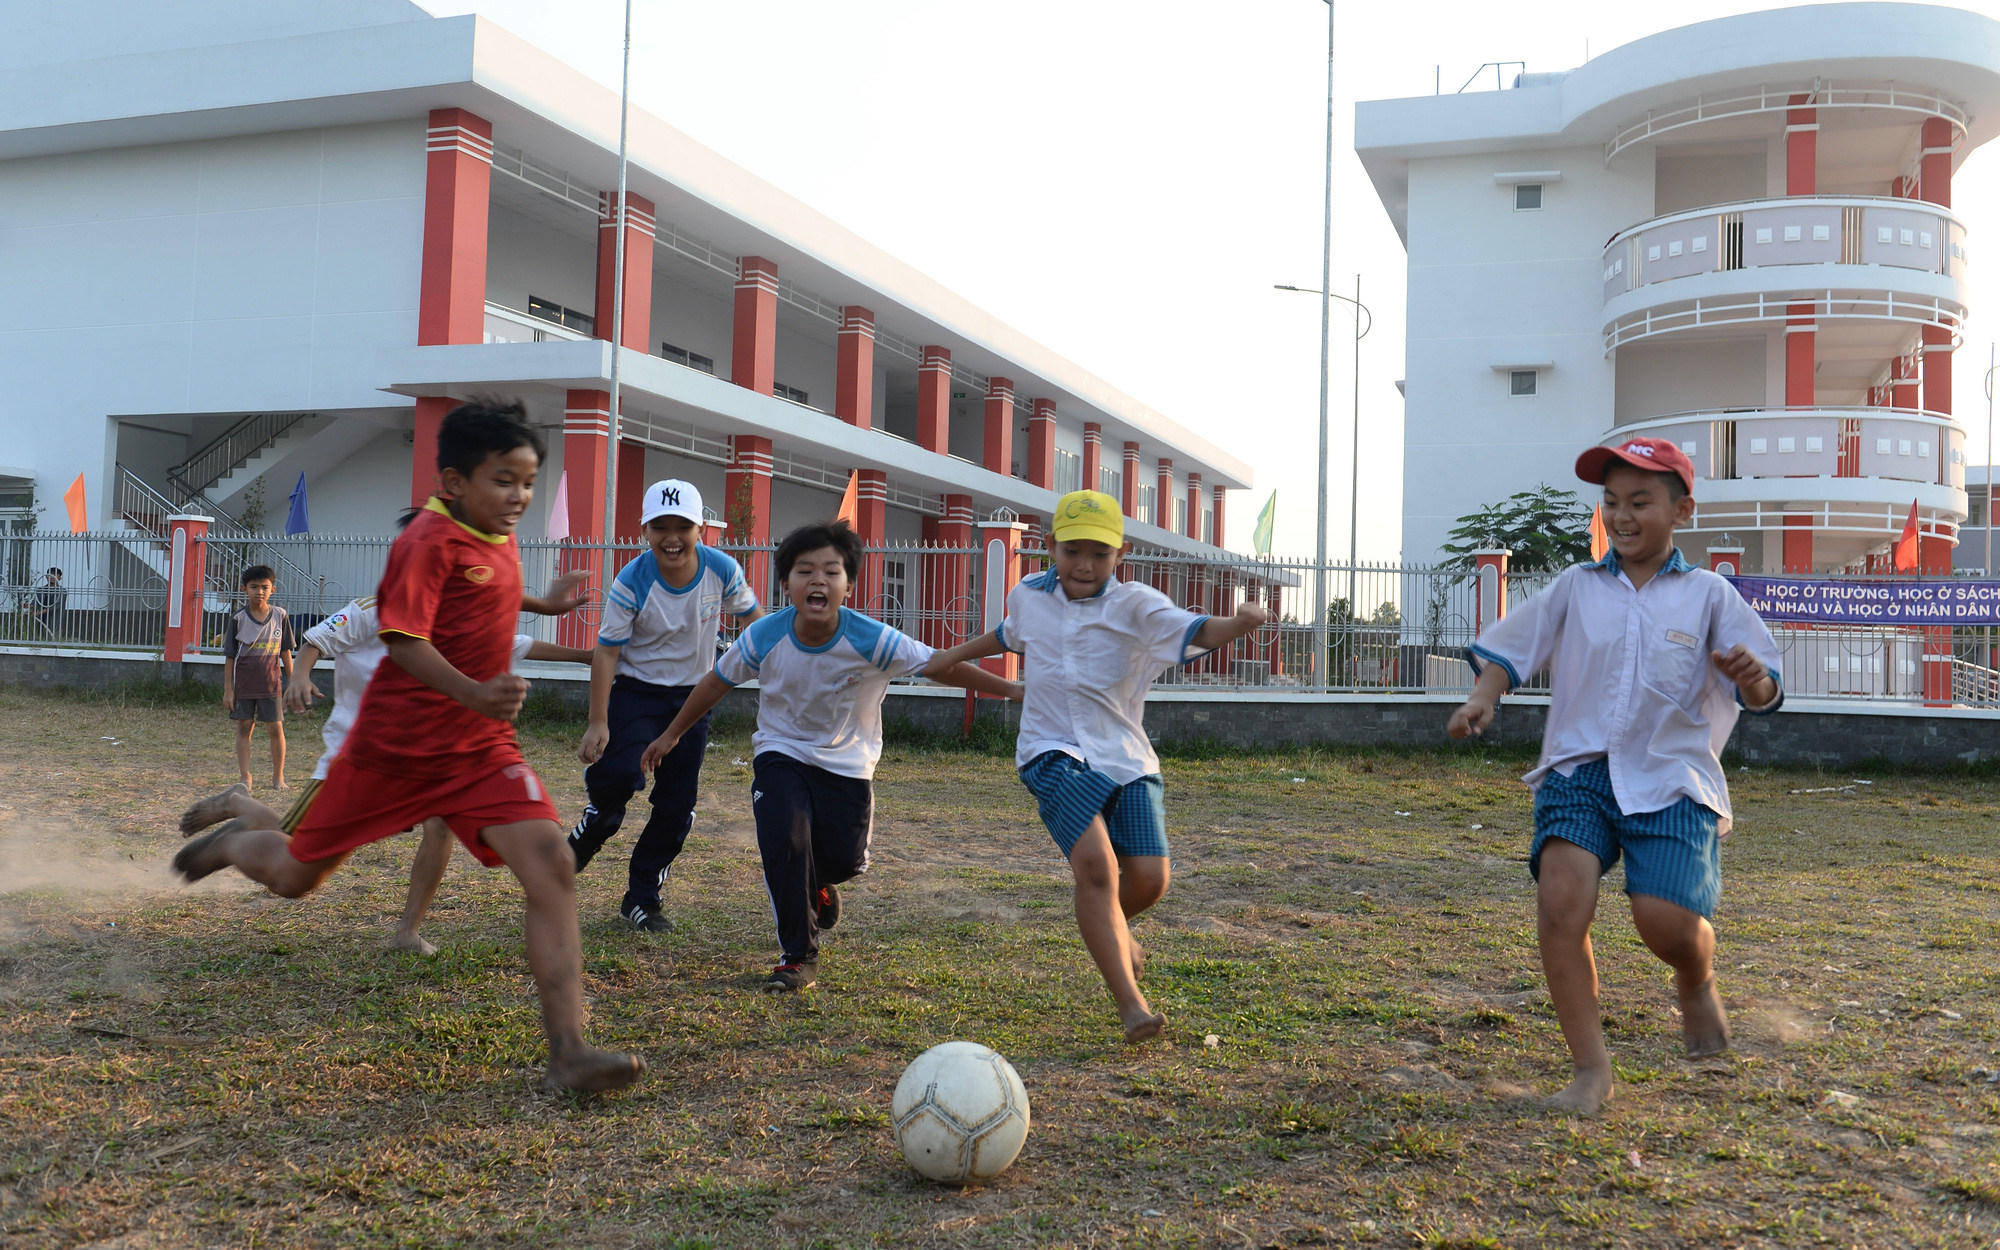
(1547,530)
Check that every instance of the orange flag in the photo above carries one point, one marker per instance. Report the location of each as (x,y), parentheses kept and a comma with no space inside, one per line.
(850,507)
(1906,546)
(1600,542)
(79,519)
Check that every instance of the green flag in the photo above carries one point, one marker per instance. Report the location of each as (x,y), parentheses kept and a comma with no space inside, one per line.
(1266,519)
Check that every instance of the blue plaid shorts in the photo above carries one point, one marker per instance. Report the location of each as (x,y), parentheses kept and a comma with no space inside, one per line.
(1672,854)
(1072,794)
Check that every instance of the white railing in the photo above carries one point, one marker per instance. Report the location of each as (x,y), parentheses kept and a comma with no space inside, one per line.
(510,325)
(1768,99)
(1867,520)
(1828,440)
(1711,312)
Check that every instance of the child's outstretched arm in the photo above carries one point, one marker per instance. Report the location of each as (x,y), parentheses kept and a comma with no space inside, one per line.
(555,654)
(560,597)
(972,677)
(942,662)
(499,697)
(1750,676)
(299,695)
(1476,713)
(1220,631)
(706,694)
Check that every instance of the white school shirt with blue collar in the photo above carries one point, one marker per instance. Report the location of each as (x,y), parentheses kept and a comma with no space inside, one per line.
(1631,678)
(822,705)
(666,635)
(1087,664)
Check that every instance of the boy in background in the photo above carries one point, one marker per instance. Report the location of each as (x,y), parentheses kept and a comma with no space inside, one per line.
(1091,646)
(435,734)
(662,620)
(822,670)
(257,647)
(1649,659)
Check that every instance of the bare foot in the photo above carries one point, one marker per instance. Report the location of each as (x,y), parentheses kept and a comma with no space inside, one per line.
(1144,1027)
(588,1070)
(412,943)
(1704,1025)
(1138,961)
(245,782)
(207,811)
(281,784)
(1582,1096)
(200,857)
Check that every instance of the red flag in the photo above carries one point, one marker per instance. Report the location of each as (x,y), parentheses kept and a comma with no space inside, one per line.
(1600,541)
(1906,546)
(850,506)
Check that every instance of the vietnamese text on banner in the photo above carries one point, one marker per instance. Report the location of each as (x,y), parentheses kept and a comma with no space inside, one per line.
(1817,601)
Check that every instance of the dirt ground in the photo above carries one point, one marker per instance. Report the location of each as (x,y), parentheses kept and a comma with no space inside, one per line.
(211,1066)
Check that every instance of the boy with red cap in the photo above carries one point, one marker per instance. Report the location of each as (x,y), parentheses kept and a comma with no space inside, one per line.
(1650,659)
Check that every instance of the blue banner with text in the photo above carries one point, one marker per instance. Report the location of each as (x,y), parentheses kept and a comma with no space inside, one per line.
(1816,601)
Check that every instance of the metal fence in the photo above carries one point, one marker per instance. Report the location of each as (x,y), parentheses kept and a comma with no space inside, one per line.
(1388,629)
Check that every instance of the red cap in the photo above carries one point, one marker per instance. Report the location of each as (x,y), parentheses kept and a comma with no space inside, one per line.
(1655,455)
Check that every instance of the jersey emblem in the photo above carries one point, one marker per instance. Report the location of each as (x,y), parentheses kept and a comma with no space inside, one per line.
(479,575)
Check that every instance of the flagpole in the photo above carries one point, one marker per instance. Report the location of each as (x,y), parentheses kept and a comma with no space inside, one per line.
(617,305)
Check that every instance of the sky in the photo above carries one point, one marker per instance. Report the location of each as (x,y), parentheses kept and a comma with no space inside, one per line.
(1126,183)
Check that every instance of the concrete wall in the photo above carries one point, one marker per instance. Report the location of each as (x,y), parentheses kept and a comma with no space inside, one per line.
(1807,732)
(1668,375)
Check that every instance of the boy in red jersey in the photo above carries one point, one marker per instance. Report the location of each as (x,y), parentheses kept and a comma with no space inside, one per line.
(435,734)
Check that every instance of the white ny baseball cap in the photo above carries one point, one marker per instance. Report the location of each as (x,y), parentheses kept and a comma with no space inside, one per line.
(672,497)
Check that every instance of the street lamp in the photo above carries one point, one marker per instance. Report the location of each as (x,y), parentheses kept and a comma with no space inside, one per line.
(1992,364)
(1354,480)
(617,311)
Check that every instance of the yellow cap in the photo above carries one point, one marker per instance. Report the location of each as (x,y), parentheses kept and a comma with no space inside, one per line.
(1089,515)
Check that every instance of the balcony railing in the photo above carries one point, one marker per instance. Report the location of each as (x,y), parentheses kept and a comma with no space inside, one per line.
(1768,99)
(1904,444)
(510,325)
(1794,230)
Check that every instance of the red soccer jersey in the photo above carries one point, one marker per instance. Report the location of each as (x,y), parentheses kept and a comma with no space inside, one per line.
(460,590)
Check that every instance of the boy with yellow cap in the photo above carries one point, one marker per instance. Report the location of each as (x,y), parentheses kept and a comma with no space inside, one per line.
(1091,646)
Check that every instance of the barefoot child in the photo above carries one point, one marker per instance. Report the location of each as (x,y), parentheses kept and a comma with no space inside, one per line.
(257,647)
(434,735)
(1650,658)
(662,619)
(822,671)
(1092,645)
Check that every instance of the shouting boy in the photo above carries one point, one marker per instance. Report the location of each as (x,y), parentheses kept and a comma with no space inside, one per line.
(662,620)
(1091,646)
(435,735)
(822,671)
(257,648)
(1649,658)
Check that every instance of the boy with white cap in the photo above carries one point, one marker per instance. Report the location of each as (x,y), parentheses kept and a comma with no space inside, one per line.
(1650,659)
(662,625)
(1091,646)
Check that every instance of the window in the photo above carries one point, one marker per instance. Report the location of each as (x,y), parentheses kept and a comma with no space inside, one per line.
(1111,482)
(1148,496)
(1069,471)
(682,356)
(1208,525)
(1527,196)
(1523,381)
(570,318)
(792,393)
(1975,506)
(1180,516)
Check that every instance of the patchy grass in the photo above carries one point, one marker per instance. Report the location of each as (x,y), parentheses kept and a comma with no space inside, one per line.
(212,1066)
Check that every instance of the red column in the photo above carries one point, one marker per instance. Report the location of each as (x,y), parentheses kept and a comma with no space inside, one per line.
(1128,482)
(1934,560)
(1041,464)
(638,328)
(1798,549)
(1000,541)
(1194,506)
(187,569)
(961,616)
(1801,148)
(451,292)
(999,454)
(586,433)
(871,517)
(934,401)
(1904,389)
(1937,369)
(1800,337)
(1934,171)
(631,487)
(753,345)
(1218,494)
(854,368)
(1093,453)
(746,494)
(1490,577)
(1728,561)
(1163,496)
(1276,603)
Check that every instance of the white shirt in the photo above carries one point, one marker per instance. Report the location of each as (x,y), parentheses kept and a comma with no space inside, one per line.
(667,635)
(822,705)
(1087,665)
(348,638)
(1632,680)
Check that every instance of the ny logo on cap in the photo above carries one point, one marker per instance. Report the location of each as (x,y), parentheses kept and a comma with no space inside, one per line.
(1638,449)
(669,497)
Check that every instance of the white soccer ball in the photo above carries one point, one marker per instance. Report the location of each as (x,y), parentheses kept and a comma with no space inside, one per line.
(960,1113)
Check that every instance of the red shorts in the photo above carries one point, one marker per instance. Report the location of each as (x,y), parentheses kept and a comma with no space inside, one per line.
(356,806)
